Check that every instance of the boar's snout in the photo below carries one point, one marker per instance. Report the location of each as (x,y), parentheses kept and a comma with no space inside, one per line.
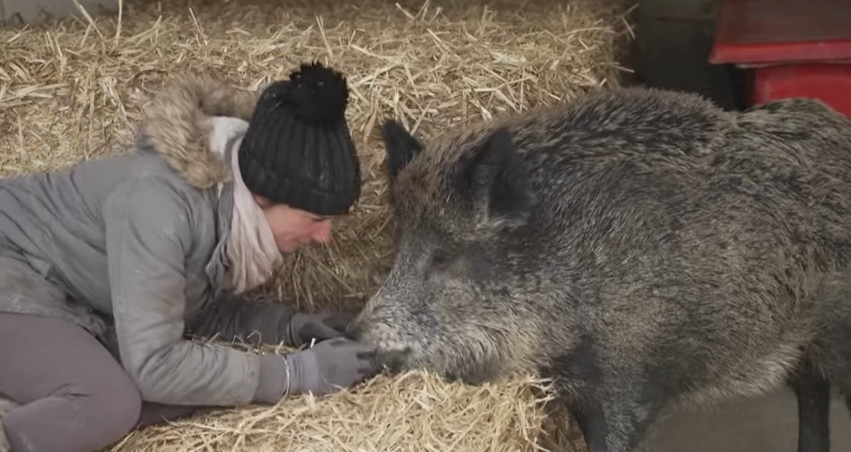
(354,330)
(395,361)
(360,328)
(393,351)
(369,329)
(390,355)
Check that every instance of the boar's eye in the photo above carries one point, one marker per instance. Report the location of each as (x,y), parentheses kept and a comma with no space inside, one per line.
(441,259)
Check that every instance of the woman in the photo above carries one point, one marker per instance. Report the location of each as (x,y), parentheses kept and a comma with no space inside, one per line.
(107,267)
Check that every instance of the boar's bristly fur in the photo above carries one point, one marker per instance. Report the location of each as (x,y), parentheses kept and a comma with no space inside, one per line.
(640,247)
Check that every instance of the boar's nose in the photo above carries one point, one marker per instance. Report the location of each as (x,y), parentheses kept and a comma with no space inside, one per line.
(395,361)
(353,331)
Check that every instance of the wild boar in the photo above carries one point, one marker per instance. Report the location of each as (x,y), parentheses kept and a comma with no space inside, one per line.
(640,247)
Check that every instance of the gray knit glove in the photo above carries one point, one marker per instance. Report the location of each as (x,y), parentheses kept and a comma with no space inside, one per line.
(330,365)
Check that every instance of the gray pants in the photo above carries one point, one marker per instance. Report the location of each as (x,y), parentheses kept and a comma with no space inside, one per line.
(73,394)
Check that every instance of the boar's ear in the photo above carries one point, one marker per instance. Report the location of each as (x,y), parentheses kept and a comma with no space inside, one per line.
(400,147)
(494,180)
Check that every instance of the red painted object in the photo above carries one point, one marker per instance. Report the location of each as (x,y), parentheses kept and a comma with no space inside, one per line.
(789,48)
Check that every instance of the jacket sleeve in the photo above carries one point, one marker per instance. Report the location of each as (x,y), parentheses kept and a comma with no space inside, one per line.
(148,232)
(256,321)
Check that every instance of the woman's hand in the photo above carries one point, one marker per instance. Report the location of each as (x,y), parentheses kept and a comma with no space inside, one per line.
(329,366)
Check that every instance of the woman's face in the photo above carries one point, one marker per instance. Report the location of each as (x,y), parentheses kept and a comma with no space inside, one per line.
(293,228)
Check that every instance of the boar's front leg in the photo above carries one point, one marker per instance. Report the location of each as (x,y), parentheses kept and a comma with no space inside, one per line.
(614,404)
(615,419)
(812,392)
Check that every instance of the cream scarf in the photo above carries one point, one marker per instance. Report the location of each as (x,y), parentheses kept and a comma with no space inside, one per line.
(251,246)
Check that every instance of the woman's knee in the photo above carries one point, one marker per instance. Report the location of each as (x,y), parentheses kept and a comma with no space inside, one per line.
(79,404)
(107,400)
(80,419)
(115,407)
(75,421)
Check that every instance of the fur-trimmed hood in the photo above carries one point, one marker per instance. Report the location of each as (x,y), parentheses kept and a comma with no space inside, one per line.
(177,125)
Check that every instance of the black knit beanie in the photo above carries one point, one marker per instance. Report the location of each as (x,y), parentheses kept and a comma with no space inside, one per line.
(297,149)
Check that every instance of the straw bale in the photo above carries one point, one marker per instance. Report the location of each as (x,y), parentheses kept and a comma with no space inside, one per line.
(414,411)
(72,89)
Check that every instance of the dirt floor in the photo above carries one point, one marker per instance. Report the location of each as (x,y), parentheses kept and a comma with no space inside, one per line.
(767,424)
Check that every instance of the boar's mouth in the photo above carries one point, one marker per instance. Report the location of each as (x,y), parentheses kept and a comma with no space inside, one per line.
(395,361)
(392,355)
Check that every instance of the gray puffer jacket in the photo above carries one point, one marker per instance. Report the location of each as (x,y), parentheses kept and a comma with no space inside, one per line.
(130,248)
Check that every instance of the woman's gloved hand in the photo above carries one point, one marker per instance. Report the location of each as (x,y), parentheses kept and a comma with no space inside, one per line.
(330,365)
(303,327)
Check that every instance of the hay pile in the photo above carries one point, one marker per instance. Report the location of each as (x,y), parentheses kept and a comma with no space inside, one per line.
(412,412)
(70,90)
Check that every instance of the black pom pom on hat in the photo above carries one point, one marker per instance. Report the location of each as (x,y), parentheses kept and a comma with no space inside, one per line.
(298,149)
